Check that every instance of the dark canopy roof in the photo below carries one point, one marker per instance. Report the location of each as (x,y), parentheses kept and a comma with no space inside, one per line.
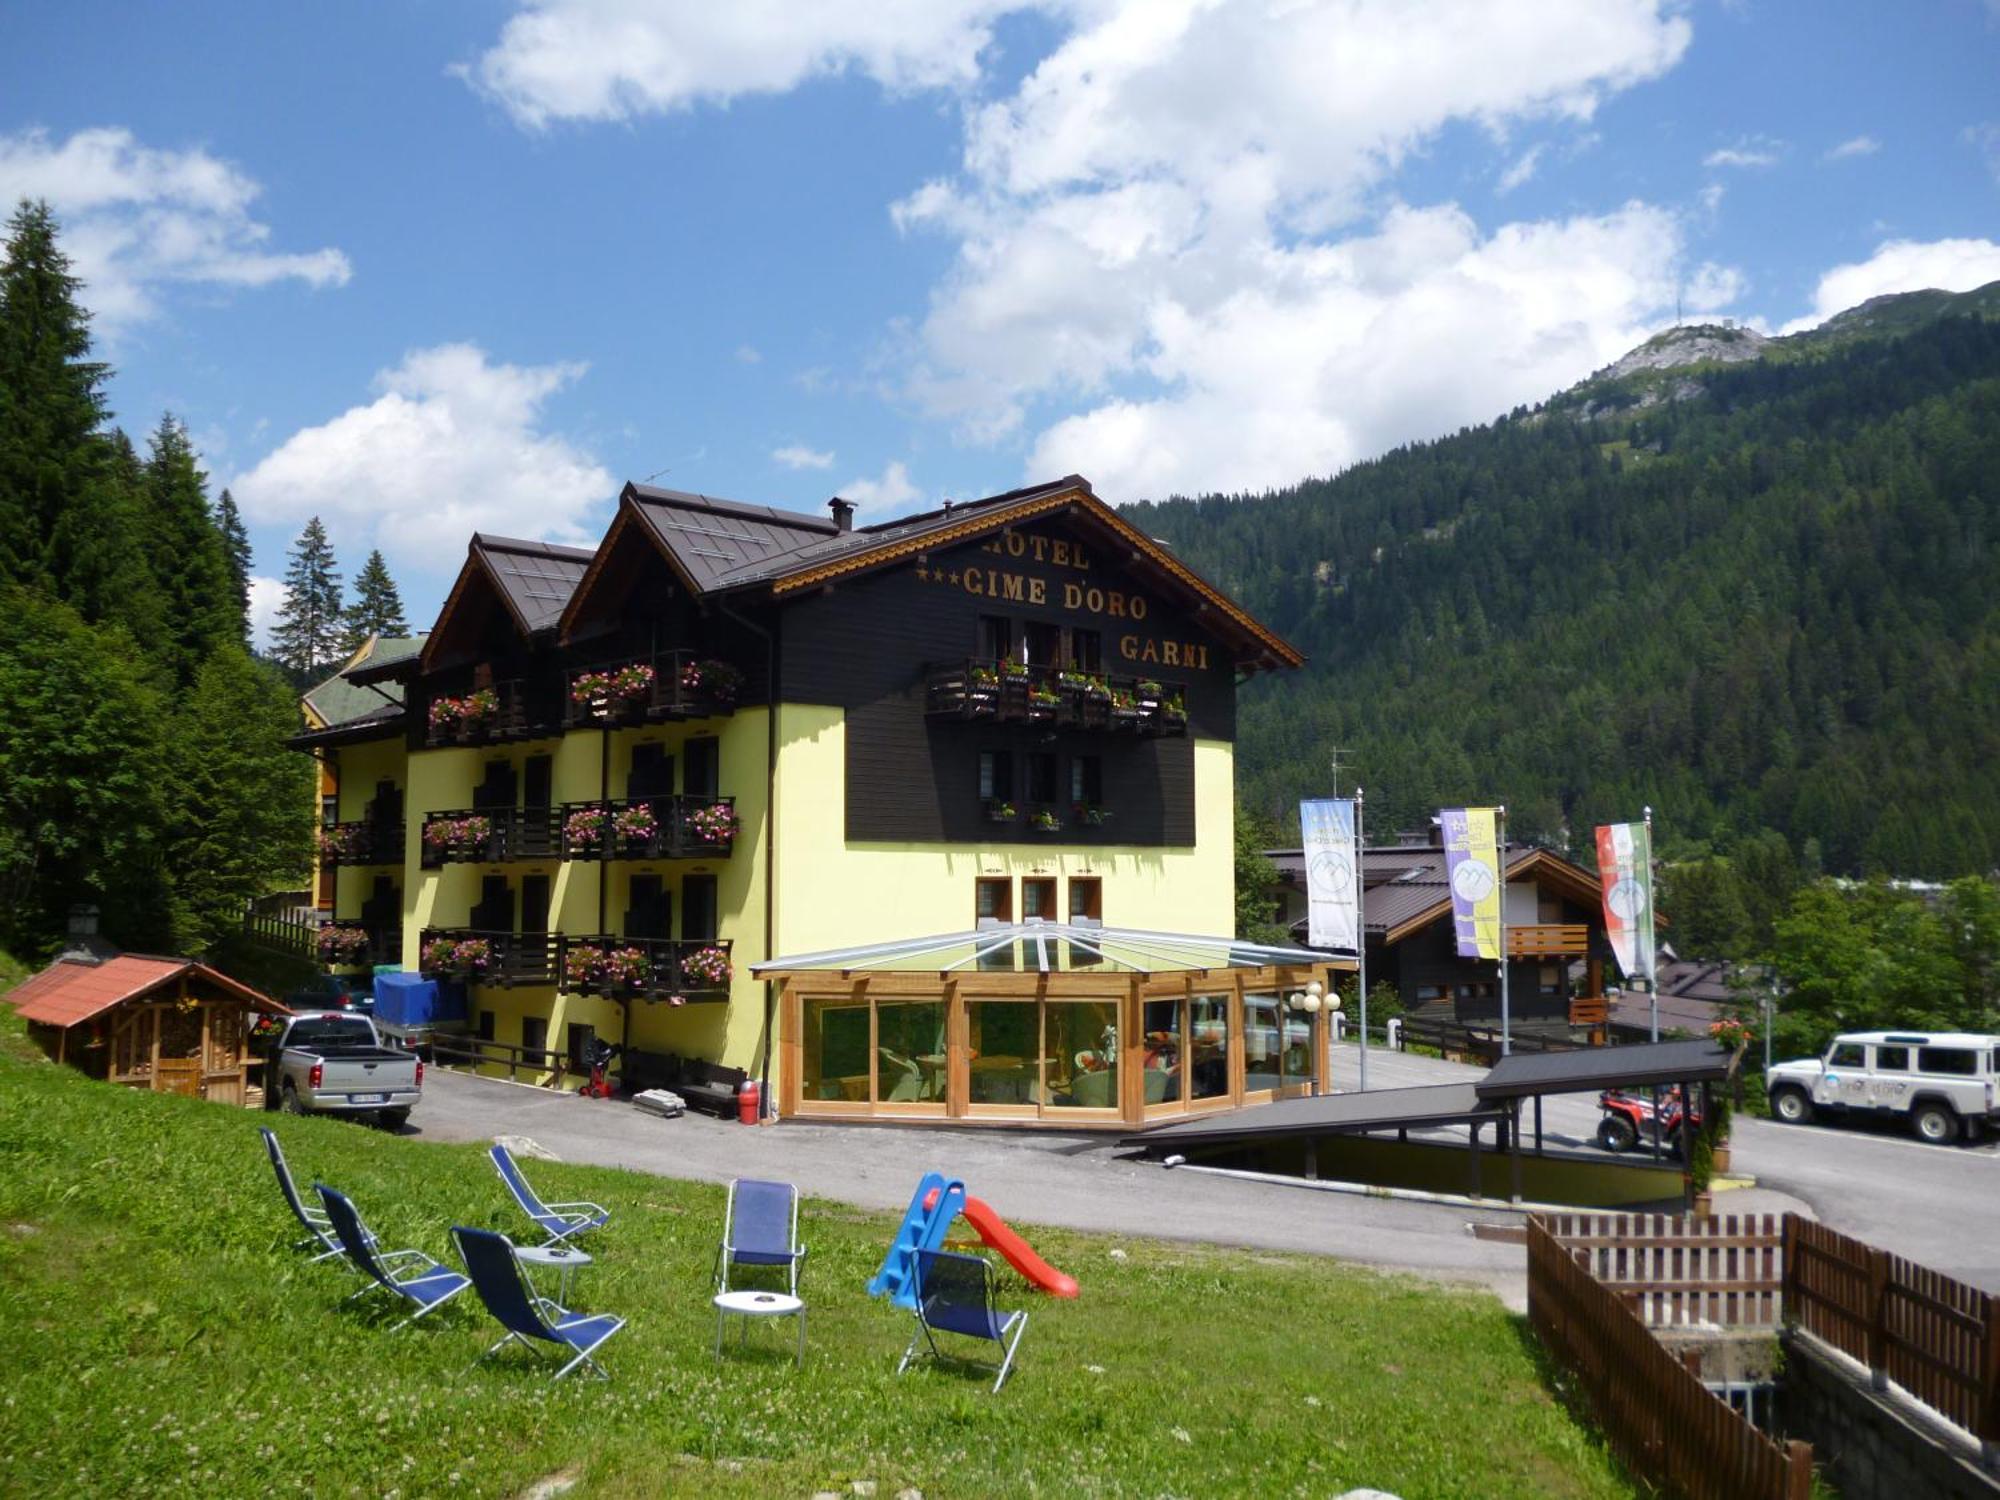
(1329,1114)
(1592,1068)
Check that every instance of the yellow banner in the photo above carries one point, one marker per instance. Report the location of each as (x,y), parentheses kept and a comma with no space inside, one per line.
(1472,864)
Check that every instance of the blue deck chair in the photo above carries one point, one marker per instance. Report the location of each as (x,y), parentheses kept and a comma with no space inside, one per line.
(318,1227)
(556,1220)
(955,1295)
(760,1227)
(505,1291)
(409,1274)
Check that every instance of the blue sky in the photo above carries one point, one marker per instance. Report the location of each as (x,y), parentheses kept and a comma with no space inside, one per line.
(430,268)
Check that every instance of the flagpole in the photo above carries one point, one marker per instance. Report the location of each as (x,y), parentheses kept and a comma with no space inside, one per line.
(1506,1022)
(1652,979)
(1361,936)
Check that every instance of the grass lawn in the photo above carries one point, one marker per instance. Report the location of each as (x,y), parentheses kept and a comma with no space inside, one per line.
(161,1337)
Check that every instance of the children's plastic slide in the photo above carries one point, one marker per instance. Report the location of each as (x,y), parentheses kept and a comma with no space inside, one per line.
(936,1202)
(994,1231)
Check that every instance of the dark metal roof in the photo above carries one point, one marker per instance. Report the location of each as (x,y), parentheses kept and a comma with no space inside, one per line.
(712,540)
(1401,881)
(536,578)
(1592,1068)
(1327,1114)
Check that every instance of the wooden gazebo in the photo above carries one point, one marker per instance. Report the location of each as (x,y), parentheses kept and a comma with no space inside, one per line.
(166,1024)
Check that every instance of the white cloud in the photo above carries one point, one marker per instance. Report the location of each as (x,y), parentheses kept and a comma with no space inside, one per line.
(267,597)
(1902,266)
(798,456)
(892,489)
(136,218)
(1751,151)
(614,59)
(1860,145)
(1522,168)
(452,445)
(749,354)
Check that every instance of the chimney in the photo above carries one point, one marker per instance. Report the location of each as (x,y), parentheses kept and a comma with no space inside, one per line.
(843,513)
(83,945)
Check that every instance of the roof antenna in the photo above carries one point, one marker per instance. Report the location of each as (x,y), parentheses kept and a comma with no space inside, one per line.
(656,474)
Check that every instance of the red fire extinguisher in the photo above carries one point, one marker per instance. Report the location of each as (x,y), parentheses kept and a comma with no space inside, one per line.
(747,1101)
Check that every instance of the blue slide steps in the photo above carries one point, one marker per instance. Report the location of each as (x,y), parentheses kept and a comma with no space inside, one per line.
(923,1228)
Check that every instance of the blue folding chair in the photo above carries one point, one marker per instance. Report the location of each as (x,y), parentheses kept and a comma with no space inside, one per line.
(760,1227)
(409,1274)
(504,1289)
(557,1220)
(318,1227)
(955,1295)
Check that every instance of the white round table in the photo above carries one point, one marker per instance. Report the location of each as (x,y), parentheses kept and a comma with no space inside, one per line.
(566,1258)
(748,1305)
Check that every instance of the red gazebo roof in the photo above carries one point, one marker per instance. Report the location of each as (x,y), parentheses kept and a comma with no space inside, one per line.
(68,993)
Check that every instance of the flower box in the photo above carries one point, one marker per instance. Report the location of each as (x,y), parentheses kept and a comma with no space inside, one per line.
(1044,820)
(714,823)
(706,968)
(1089,816)
(584,828)
(635,825)
(471,836)
(340,944)
(717,681)
(998,811)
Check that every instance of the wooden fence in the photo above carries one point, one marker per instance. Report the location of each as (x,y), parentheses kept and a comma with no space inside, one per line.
(284,930)
(537,1062)
(1667,1426)
(1673,1271)
(1937,1338)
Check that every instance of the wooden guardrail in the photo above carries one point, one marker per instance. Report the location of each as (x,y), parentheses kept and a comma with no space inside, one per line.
(479,1052)
(1674,1270)
(1662,1420)
(1937,1338)
(1481,1043)
(283,931)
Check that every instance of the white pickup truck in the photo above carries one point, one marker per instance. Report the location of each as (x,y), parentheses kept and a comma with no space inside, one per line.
(334,1061)
(1943,1082)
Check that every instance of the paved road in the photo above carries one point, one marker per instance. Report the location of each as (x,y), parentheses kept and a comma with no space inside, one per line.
(1078,1182)
(1934,1204)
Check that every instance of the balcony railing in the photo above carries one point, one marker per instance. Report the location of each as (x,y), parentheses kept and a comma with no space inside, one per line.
(361,843)
(649,828)
(513,709)
(648,689)
(478,956)
(484,836)
(1548,940)
(1054,697)
(677,970)
(1068,820)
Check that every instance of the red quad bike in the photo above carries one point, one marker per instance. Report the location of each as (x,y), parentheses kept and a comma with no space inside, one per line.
(1628,1117)
(599,1057)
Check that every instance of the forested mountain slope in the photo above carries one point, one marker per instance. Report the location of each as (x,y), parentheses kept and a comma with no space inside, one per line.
(1755,591)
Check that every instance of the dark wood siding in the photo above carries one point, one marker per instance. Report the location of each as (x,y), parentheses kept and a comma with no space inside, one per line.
(867,645)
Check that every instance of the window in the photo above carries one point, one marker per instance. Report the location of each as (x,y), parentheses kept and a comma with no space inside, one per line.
(534,1035)
(537,781)
(1086,904)
(1208,1047)
(1848,1055)
(649,908)
(329,810)
(1160,1025)
(1003,1036)
(652,773)
(486,1026)
(996,775)
(702,767)
(836,1051)
(909,1052)
(1080,1042)
(534,903)
(1043,644)
(1892,1059)
(1042,784)
(1038,898)
(698,914)
(1086,650)
(1263,1043)
(1086,780)
(996,637)
(993,900)
(579,1038)
(1953,1061)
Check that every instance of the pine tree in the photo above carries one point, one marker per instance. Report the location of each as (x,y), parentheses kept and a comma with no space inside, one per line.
(185,552)
(236,548)
(377,608)
(308,633)
(64,524)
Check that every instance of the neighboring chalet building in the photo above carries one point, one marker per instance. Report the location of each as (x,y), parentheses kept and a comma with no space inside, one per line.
(1694,995)
(610,779)
(1555,935)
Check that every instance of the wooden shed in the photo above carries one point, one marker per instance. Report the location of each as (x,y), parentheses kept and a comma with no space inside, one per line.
(166,1024)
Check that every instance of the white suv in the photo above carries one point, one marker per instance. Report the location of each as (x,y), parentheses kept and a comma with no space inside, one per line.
(1944,1081)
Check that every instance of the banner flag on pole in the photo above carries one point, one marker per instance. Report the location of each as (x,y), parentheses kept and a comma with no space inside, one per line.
(1472,865)
(1625,870)
(1332,891)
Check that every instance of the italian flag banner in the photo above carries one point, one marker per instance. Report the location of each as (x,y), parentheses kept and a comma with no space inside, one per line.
(1625,870)
(1472,866)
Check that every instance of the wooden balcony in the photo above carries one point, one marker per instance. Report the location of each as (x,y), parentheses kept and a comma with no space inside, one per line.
(653,689)
(361,843)
(676,970)
(513,709)
(649,828)
(477,956)
(1549,940)
(1063,822)
(484,836)
(351,944)
(1010,692)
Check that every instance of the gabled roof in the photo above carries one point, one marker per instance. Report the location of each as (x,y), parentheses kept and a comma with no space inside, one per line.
(68,993)
(533,581)
(725,546)
(341,700)
(1405,887)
